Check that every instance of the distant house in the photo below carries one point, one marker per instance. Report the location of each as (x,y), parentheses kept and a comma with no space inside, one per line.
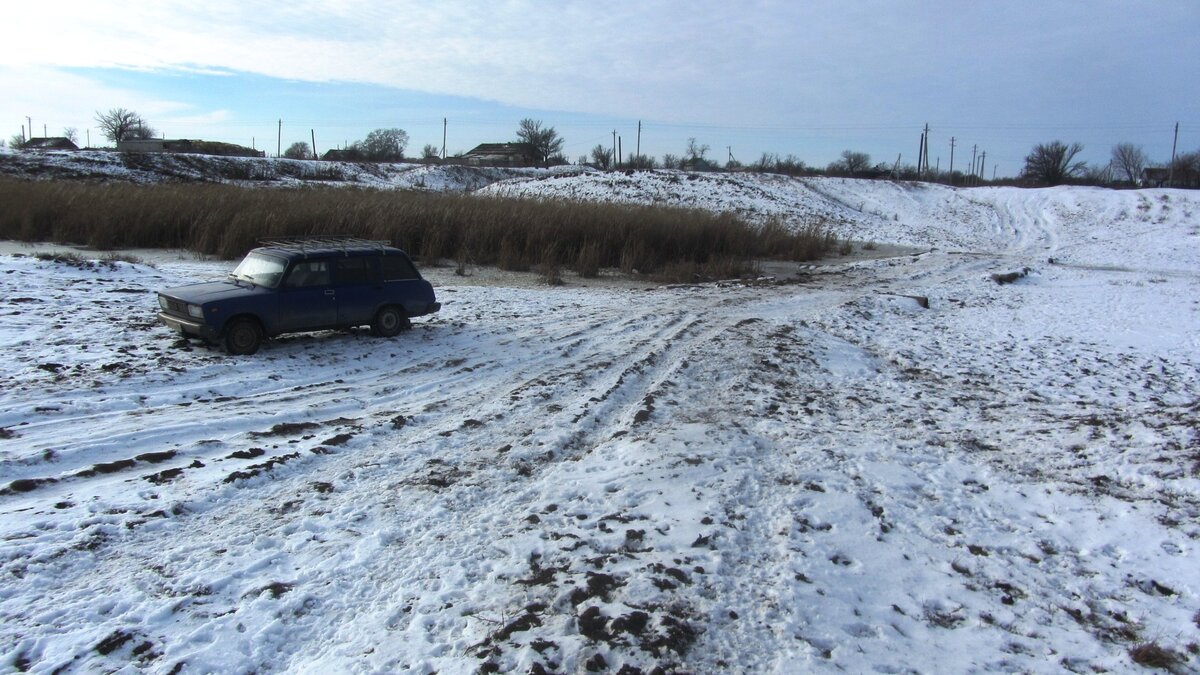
(186,146)
(51,143)
(154,145)
(1155,176)
(346,155)
(502,154)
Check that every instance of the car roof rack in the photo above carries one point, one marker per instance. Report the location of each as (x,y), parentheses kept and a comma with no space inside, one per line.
(324,242)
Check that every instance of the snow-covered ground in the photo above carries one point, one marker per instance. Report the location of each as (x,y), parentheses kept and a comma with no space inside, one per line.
(815,474)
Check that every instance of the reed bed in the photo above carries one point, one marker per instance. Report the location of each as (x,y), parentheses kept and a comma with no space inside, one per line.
(515,234)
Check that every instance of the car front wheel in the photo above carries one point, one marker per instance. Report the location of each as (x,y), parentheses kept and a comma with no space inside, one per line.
(243,337)
(389,321)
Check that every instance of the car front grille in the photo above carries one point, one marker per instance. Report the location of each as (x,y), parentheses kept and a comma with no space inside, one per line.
(176,307)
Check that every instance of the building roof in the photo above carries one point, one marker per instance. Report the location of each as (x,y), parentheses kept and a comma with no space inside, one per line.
(49,143)
(184,145)
(503,150)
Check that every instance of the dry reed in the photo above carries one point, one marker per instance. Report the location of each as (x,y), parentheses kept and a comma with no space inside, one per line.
(517,234)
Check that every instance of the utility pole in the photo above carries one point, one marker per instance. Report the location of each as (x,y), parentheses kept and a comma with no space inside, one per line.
(639,145)
(925,148)
(982,164)
(314,140)
(619,151)
(1171,171)
(615,158)
(279,141)
(729,160)
(89,136)
(443,138)
(973,148)
(30,120)
(920,154)
(997,166)
(896,167)
(952,160)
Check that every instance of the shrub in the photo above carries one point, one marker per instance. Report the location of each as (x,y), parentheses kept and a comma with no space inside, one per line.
(1151,655)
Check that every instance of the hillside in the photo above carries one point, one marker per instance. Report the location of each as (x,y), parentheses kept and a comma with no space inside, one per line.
(250,171)
(912,214)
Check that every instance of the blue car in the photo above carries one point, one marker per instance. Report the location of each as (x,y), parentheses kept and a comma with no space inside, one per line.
(303,284)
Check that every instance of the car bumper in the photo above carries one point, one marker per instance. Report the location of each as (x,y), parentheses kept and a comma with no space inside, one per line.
(434,307)
(187,326)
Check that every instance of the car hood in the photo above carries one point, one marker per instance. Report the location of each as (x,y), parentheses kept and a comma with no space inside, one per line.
(214,291)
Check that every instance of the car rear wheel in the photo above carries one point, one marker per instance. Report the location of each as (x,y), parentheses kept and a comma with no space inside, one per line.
(243,337)
(389,321)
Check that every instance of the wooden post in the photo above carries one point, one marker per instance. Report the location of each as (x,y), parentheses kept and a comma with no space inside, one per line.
(952,160)
(639,145)
(920,154)
(1171,170)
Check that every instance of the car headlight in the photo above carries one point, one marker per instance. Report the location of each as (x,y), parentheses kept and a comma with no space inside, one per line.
(162,302)
(196,311)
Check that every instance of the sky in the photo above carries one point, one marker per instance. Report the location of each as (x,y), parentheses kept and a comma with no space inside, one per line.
(809,79)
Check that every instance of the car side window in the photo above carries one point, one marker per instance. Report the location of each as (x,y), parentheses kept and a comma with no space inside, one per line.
(359,270)
(308,273)
(397,267)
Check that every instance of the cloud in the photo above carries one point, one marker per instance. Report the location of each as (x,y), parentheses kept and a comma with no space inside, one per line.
(31,90)
(705,62)
(868,66)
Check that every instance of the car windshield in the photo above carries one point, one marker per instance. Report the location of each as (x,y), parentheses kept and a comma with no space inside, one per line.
(260,269)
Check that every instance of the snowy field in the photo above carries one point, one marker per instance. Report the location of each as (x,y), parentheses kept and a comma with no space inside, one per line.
(810,474)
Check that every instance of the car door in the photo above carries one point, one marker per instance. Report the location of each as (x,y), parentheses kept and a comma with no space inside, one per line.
(404,286)
(307,299)
(358,285)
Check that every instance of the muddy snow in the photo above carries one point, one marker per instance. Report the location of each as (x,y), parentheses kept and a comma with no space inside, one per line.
(881,464)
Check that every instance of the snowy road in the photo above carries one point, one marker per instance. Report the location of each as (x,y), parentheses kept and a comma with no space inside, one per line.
(817,474)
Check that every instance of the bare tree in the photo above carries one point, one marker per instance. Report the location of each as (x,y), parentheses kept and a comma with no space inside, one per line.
(602,156)
(856,162)
(384,145)
(71,134)
(119,124)
(790,165)
(298,150)
(1129,160)
(851,164)
(545,140)
(769,162)
(766,163)
(670,161)
(1053,163)
(1185,171)
(695,151)
(430,151)
(641,161)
